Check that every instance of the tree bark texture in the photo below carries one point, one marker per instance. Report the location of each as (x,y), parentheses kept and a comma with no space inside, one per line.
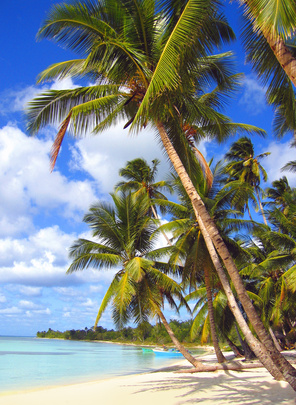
(234,348)
(283,55)
(233,365)
(261,207)
(275,341)
(219,354)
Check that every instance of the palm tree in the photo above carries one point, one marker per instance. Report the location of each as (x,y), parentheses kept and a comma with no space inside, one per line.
(278,194)
(123,239)
(144,72)
(244,166)
(272,274)
(282,207)
(170,62)
(291,166)
(140,177)
(190,247)
(268,38)
(275,21)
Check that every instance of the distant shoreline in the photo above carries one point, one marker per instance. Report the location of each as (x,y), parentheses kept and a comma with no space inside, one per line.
(207,348)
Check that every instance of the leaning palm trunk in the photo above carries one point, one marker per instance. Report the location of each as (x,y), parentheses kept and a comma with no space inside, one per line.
(234,348)
(275,363)
(249,354)
(258,348)
(176,342)
(276,343)
(219,354)
(283,55)
(261,207)
(163,233)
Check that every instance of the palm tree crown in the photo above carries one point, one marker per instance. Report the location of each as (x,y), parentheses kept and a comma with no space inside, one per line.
(123,239)
(244,166)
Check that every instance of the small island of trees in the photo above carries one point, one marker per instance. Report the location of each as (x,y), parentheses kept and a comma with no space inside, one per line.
(143,334)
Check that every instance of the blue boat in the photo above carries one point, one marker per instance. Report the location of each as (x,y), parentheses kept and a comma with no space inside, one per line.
(167,352)
(146,350)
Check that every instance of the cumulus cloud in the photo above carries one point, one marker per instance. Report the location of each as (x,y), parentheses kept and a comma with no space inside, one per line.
(253,98)
(16,100)
(95,288)
(89,303)
(67,315)
(46,311)
(10,311)
(31,291)
(281,153)
(27,304)
(37,245)
(103,155)
(66,291)
(27,186)
(2,298)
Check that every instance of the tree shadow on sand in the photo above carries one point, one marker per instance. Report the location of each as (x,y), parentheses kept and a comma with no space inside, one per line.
(223,388)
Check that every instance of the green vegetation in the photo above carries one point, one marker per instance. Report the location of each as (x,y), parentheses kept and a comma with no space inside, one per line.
(144,334)
(154,64)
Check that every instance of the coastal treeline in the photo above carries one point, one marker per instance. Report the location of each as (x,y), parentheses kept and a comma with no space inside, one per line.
(143,334)
(230,247)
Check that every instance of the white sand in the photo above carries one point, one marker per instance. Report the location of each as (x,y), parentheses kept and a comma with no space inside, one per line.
(255,386)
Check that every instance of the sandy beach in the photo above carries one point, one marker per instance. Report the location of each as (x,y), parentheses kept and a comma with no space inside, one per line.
(166,386)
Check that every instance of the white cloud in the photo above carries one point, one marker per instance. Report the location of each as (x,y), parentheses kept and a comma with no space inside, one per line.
(67,315)
(30,291)
(50,243)
(10,311)
(46,311)
(103,155)
(95,288)
(2,298)
(66,291)
(253,98)
(89,303)
(281,153)
(16,100)
(27,186)
(64,84)
(27,304)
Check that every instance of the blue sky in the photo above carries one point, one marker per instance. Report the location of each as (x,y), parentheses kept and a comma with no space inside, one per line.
(41,212)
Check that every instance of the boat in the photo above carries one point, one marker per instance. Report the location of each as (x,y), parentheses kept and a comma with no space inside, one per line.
(146,350)
(161,351)
(167,352)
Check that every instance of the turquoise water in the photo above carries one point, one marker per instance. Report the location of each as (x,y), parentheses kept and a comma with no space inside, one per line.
(28,363)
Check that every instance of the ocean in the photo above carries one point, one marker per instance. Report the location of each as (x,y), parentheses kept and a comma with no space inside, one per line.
(29,363)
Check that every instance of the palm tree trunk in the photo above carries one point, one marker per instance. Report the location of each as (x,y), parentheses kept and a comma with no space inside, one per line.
(283,55)
(261,207)
(213,240)
(249,212)
(234,348)
(276,343)
(219,354)
(176,342)
(164,234)
(248,352)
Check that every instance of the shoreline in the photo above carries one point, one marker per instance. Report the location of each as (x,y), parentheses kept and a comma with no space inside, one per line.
(206,348)
(166,385)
